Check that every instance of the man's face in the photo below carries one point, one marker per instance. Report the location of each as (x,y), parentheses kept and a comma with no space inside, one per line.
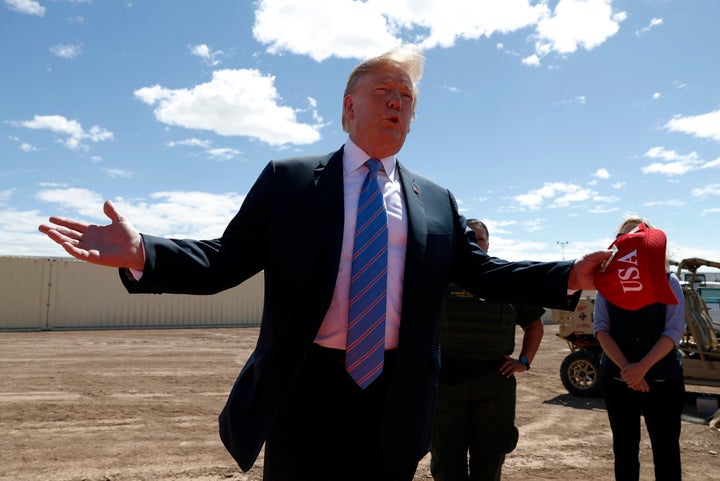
(481,237)
(379,111)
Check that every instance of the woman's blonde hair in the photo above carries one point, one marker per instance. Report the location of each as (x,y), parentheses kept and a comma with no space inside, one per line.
(633,220)
(637,220)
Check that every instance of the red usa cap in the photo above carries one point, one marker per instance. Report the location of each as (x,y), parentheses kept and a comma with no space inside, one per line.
(634,276)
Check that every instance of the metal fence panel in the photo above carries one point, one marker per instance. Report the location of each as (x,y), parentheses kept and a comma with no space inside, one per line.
(63,293)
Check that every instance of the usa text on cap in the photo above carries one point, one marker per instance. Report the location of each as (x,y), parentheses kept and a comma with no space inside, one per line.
(635,276)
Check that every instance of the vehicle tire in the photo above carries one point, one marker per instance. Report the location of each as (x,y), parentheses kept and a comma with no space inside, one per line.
(580,373)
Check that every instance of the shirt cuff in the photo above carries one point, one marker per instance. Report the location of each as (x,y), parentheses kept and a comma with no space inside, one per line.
(137,274)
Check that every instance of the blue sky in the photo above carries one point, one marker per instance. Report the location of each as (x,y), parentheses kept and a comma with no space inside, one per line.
(550,120)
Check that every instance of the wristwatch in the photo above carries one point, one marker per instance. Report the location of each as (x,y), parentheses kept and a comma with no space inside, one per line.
(525,361)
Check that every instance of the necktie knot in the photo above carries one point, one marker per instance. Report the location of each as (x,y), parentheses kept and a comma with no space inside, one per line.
(374,165)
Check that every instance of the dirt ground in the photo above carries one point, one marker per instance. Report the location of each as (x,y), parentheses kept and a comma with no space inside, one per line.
(142,405)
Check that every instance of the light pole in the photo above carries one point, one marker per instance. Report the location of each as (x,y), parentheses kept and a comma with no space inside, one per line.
(562,246)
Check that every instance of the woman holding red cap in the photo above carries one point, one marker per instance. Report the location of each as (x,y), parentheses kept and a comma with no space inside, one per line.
(642,376)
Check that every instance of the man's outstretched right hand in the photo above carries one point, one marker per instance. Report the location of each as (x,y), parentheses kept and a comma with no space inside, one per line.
(117,244)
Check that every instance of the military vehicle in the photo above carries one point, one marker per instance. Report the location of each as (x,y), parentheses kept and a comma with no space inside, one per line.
(699,349)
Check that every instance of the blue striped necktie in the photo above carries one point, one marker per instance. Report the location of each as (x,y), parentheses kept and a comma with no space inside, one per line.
(368,283)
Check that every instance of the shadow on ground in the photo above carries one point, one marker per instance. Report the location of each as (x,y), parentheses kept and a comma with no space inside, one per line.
(690,411)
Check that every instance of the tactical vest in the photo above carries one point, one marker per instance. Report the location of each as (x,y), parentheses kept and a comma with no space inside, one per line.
(635,333)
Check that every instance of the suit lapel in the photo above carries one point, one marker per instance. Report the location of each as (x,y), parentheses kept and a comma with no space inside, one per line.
(417,223)
(331,214)
(331,206)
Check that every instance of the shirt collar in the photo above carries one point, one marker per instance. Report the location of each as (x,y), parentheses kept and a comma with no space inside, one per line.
(354,158)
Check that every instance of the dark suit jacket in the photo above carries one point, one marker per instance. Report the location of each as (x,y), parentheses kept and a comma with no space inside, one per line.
(291,225)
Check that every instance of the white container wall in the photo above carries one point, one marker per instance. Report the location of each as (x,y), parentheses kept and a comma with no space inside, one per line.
(61,293)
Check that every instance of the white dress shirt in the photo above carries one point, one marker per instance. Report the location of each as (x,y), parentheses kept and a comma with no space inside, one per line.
(333,331)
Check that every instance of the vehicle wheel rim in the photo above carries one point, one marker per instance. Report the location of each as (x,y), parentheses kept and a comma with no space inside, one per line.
(582,374)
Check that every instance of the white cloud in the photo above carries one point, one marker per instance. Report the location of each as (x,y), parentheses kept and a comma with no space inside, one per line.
(531,60)
(498,227)
(215,153)
(504,243)
(6,195)
(561,194)
(657,95)
(712,189)
(25,147)
(535,225)
(661,153)
(516,249)
(712,210)
(125,174)
(222,153)
(602,174)
(572,196)
(320,29)
(66,51)
(198,215)
(607,199)
(235,102)
(578,99)
(83,202)
(29,7)
(671,163)
(204,52)
(711,164)
(704,126)
(19,234)
(602,209)
(73,133)
(446,22)
(315,114)
(655,22)
(667,203)
(577,23)
(191,143)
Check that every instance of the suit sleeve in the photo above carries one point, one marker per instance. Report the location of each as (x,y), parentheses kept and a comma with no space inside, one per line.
(526,315)
(187,266)
(522,282)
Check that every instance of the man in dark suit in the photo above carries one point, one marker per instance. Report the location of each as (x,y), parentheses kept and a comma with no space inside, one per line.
(294,393)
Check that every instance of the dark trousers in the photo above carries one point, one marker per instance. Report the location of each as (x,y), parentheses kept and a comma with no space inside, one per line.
(330,429)
(476,416)
(661,407)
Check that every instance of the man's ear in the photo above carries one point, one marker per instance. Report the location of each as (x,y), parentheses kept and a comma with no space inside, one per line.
(348,106)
